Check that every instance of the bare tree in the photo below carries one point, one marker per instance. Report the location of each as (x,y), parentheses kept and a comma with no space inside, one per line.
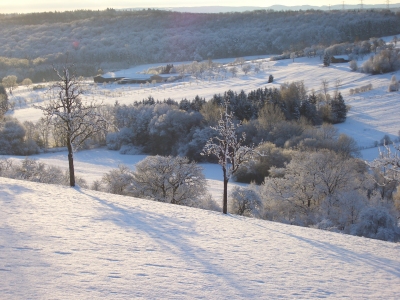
(230,151)
(246,69)
(293,55)
(234,71)
(325,88)
(239,61)
(76,119)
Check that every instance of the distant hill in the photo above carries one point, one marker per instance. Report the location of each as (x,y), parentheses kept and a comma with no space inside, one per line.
(224,9)
(114,39)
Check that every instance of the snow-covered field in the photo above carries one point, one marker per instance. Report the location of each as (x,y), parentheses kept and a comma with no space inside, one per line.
(62,243)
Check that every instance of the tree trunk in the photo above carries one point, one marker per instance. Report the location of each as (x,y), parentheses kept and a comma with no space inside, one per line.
(71,163)
(225,197)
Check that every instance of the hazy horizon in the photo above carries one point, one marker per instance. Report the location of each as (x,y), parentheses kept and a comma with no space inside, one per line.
(26,6)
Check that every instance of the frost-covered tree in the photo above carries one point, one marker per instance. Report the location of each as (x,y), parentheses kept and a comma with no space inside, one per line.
(293,55)
(353,65)
(168,179)
(233,71)
(26,82)
(245,202)
(228,148)
(246,69)
(377,223)
(4,105)
(118,180)
(13,140)
(388,163)
(10,82)
(239,61)
(309,181)
(76,119)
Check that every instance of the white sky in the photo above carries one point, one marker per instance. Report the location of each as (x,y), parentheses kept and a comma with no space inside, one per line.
(23,6)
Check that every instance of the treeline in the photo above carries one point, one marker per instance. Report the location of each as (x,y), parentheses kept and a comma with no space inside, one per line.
(114,39)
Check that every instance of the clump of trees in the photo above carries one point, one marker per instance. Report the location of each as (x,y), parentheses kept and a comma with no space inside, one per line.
(326,190)
(180,128)
(167,179)
(387,60)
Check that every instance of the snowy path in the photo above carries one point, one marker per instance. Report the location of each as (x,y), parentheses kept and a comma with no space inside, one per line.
(62,243)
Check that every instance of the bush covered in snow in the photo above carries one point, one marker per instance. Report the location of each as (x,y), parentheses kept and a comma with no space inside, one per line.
(13,138)
(377,223)
(387,60)
(32,170)
(394,84)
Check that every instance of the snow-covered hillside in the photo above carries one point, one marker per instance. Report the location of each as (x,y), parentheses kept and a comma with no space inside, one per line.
(63,243)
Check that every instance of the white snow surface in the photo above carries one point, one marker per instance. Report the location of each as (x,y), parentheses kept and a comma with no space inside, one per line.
(58,242)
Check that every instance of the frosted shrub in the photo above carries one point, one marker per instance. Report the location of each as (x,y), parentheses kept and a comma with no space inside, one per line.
(245,202)
(377,223)
(362,89)
(12,138)
(394,84)
(117,181)
(32,170)
(353,65)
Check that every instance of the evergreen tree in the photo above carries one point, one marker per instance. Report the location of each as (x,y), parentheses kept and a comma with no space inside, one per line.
(309,111)
(338,109)
(327,60)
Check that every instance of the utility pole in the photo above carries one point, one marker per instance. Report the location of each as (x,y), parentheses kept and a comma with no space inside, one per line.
(387,4)
(343,5)
(362,6)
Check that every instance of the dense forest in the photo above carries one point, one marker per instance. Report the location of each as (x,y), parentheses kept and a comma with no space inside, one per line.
(108,39)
